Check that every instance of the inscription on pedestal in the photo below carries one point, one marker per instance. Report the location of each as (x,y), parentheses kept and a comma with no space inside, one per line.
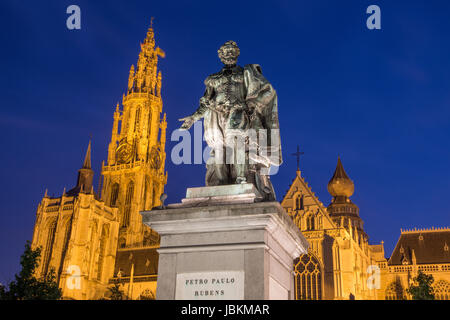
(221,285)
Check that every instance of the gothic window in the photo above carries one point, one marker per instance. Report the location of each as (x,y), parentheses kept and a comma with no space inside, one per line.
(299,203)
(137,120)
(146,189)
(114,194)
(442,290)
(51,229)
(101,251)
(127,208)
(395,291)
(67,231)
(149,123)
(308,278)
(310,222)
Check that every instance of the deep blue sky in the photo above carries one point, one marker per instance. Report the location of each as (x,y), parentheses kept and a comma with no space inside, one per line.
(379,99)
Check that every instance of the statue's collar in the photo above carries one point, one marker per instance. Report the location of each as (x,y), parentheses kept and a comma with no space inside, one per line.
(233,70)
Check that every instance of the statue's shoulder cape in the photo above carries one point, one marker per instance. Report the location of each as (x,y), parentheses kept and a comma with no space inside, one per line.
(260,93)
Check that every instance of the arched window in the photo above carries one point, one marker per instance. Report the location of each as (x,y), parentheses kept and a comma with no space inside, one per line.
(127,208)
(442,290)
(395,291)
(67,231)
(137,120)
(310,222)
(51,230)
(308,278)
(101,251)
(299,203)
(114,194)
(146,190)
(149,123)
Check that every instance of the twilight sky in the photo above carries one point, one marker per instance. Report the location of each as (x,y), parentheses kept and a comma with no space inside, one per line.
(378,98)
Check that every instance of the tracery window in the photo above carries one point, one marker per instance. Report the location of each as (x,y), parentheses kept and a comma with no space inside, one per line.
(146,190)
(310,222)
(101,251)
(137,120)
(51,230)
(308,278)
(67,231)
(299,203)
(149,123)
(395,291)
(114,194)
(442,290)
(127,208)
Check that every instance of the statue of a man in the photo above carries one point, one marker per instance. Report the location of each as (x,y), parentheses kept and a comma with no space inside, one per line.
(240,114)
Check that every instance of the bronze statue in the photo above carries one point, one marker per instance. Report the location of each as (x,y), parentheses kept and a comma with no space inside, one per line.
(240,114)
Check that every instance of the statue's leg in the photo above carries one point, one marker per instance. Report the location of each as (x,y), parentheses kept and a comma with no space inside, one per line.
(241,168)
(236,155)
(217,172)
(264,186)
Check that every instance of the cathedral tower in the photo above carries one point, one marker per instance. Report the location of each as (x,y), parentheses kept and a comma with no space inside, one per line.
(134,177)
(86,174)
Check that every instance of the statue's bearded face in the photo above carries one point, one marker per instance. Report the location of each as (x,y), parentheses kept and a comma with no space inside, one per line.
(229,53)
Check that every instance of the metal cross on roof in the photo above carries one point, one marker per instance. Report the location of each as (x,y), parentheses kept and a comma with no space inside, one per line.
(298,154)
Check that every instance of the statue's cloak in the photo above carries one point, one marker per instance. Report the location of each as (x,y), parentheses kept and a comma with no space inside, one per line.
(262,97)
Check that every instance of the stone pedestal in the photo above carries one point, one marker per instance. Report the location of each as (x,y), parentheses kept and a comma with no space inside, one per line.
(221,243)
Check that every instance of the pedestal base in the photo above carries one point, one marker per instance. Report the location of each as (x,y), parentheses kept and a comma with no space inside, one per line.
(225,251)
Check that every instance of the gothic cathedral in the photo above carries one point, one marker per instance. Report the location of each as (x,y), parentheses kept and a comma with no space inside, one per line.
(83,234)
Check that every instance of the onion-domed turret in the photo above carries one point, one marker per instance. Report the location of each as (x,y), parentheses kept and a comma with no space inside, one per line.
(340,184)
(341,209)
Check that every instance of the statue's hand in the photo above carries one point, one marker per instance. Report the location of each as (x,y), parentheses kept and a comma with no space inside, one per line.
(188,122)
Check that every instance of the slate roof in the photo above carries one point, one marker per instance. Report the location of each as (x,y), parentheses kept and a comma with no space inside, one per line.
(429,247)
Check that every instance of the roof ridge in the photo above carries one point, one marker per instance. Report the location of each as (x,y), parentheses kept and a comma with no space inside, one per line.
(432,229)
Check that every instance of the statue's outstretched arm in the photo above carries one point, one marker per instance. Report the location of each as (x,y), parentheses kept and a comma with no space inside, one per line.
(199,113)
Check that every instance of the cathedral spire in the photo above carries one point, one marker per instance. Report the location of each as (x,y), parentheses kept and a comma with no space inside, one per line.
(144,76)
(86,174)
(87,158)
(150,34)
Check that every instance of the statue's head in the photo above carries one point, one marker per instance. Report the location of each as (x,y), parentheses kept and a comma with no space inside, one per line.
(229,53)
